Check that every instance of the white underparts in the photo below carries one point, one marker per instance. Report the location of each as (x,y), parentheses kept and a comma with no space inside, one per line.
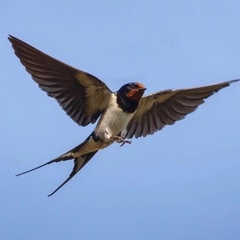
(112,122)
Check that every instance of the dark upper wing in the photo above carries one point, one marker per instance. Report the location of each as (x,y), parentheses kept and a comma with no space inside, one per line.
(83,96)
(165,107)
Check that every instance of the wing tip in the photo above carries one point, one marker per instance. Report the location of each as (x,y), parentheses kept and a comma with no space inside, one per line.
(233,81)
(11,38)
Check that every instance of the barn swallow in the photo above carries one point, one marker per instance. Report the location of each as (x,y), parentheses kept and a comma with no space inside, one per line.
(122,115)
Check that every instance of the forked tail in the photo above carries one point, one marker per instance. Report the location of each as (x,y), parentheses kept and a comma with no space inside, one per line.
(79,163)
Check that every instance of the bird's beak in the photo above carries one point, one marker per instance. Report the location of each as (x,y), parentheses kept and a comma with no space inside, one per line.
(141,87)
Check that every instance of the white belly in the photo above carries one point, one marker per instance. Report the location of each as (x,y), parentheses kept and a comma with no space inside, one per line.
(112,122)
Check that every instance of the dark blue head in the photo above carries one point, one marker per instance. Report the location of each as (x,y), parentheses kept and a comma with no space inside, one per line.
(129,95)
(132,91)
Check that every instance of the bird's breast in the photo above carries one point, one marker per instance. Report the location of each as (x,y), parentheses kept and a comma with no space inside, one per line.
(113,121)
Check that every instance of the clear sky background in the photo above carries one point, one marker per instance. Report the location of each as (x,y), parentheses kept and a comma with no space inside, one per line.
(180,183)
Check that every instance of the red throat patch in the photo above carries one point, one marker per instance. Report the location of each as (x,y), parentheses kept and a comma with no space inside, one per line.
(136,94)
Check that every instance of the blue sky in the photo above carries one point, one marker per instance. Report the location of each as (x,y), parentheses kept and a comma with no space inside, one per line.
(180,183)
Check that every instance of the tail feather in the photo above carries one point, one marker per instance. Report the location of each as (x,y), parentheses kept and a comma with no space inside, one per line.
(19,174)
(63,157)
(79,163)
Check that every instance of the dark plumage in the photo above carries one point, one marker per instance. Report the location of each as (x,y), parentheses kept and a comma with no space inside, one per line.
(122,114)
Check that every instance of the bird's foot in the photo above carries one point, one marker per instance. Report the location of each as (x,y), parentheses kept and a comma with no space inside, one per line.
(121,140)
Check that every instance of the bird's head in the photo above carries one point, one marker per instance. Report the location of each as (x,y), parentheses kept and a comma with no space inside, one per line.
(132,91)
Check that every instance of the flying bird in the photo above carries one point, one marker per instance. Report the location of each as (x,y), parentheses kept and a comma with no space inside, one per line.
(121,115)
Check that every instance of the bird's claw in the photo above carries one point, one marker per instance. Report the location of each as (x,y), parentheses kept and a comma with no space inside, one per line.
(125,141)
(121,140)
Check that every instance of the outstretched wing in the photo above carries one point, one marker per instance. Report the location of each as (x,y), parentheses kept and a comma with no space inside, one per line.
(83,96)
(166,107)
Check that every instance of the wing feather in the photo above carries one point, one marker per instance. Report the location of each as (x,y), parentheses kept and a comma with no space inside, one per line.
(83,96)
(166,107)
